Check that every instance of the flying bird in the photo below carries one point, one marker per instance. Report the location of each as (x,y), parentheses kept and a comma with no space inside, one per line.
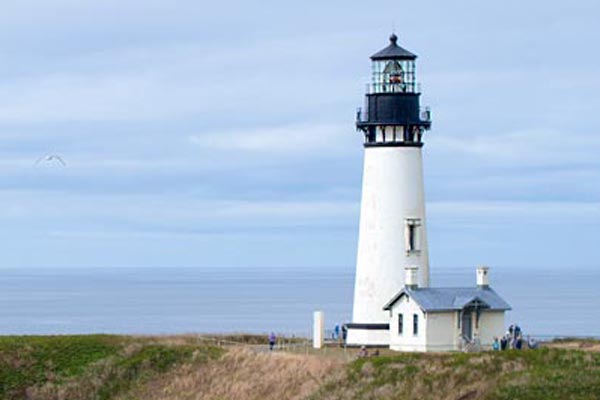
(50,158)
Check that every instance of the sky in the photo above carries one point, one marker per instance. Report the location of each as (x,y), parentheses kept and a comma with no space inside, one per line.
(221,134)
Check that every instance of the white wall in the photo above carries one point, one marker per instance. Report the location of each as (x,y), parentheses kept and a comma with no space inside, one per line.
(407,341)
(371,337)
(442,331)
(491,325)
(392,191)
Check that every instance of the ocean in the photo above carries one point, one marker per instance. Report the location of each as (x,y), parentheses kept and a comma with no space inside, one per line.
(176,300)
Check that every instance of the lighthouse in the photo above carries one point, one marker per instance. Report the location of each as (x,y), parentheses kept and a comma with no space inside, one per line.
(392,233)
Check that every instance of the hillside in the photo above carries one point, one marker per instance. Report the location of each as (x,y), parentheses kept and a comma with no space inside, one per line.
(191,367)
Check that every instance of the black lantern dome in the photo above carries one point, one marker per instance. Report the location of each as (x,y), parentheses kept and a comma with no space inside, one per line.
(393,52)
(392,114)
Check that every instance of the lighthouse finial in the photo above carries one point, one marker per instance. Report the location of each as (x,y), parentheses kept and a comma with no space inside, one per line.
(394,39)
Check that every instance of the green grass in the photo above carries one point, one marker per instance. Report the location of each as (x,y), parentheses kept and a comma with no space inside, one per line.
(555,374)
(88,366)
(30,360)
(549,374)
(103,367)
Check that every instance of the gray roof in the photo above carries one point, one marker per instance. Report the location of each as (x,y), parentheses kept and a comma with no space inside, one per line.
(393,52)
(449,299)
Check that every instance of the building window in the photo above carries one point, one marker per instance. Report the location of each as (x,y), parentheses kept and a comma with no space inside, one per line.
(412,235)
(415,324)
(400,324)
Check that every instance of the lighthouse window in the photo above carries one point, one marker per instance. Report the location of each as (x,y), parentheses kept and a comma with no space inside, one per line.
(393,72)
(393,76)
(417,135)
(379,135)
(399,133)
(411,238)
(388,133)
(412,235)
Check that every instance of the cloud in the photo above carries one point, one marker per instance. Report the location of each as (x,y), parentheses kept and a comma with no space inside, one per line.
(176,79)
(111,97)
(494,211)
(50,210)
(527,148)
(172,124)
(282,140)
(47,210)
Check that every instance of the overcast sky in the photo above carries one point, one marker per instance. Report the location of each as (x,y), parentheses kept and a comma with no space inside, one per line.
(221,134)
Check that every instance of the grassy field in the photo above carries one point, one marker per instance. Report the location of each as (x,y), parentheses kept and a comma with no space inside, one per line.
(548,373)
(90,367)
(191,367)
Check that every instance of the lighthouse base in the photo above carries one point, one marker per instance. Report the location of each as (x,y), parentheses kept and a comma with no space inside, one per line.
(370,335)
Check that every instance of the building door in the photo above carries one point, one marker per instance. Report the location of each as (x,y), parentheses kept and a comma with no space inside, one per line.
(467,325)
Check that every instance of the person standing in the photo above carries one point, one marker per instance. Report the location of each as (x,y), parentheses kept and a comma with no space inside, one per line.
(518,342)
(272,340)
(532,343)
(503,343)
(344,335)
(496,344)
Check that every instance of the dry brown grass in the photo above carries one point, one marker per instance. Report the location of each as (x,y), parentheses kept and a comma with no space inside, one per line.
(245,374)
(585,345)
(190,367)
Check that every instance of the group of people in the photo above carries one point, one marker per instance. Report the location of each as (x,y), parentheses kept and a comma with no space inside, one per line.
(513,339)
(339,333)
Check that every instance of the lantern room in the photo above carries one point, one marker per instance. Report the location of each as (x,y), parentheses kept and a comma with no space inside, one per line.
(393,69)
(392,115)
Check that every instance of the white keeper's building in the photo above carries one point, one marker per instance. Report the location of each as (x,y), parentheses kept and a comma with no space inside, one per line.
(389,309)
(445,319)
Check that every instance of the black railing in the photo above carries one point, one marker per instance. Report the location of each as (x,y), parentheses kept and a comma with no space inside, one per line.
(378,88)
(425,114)
(362,115)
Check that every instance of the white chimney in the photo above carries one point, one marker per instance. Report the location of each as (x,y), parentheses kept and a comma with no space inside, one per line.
(483,277)
(411,277)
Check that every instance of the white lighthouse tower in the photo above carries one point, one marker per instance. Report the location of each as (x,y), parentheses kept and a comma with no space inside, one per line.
(392,231)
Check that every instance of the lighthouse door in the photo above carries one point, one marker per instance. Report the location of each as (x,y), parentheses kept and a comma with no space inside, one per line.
(467,325)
